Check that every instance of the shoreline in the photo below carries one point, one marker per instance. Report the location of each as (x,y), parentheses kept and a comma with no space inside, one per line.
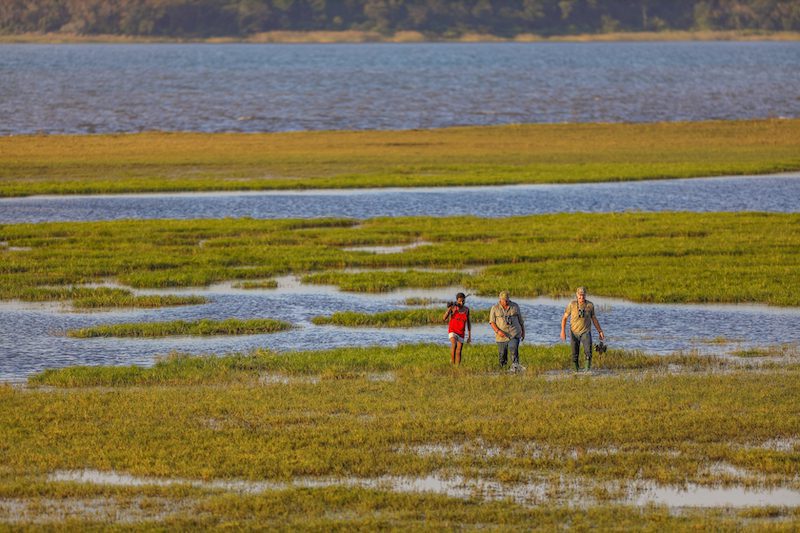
(405,37)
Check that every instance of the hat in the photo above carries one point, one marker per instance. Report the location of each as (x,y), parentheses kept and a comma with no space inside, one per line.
(580,290)
(503,295)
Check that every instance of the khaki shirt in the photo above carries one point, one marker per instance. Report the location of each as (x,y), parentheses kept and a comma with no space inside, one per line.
(579,324)
(507,320)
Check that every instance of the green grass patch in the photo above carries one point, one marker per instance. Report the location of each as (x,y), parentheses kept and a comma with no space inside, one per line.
(205,327)
(418,301)
(583,438)
(782,350)
(264,284)
(637,420)
(105,298)
(383,281)
(407,360)
(493,155)
(403,318)
(643,257)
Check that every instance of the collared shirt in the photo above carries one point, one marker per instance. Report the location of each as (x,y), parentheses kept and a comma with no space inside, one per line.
(508,320)
(580,316)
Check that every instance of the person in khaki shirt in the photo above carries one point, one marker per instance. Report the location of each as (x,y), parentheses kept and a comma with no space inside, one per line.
(509,330)
(581,315)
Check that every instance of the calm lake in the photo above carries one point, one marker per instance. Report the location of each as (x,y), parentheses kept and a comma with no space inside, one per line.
(251,87)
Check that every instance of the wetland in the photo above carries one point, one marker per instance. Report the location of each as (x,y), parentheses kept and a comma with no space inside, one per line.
(285,368)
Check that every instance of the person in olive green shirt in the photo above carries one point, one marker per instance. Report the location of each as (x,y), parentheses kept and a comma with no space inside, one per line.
(581,315)
(506,320)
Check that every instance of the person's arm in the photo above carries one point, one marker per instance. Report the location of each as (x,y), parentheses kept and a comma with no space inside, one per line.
(564,324)
(447,314)
(492,322)
(469,327)
(521,325)
(599,329)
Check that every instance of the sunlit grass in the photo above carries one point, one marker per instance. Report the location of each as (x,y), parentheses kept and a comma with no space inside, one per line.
(402,318)
(365,413)
(539,153)
(385,281)
(782,350)
(41,505)
(414,300)
(341,363)
(644,257)
(204,327)
(104,297)
(263,284)
(661,425)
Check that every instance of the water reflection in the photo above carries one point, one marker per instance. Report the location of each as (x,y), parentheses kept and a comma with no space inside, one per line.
(775,193)
(33,337)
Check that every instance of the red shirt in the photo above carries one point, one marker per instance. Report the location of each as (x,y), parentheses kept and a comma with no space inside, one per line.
(458,321)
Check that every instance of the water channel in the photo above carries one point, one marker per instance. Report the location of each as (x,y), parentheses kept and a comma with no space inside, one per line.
(773,193)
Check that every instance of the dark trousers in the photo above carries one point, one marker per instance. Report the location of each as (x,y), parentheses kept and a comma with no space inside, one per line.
(512,345)
(575,342)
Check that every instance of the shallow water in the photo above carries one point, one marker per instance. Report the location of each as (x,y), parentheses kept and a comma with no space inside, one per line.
(458,487)
(774,193)
(100,88)
(34,334)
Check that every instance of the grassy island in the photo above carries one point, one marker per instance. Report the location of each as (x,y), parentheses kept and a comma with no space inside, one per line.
(492,155)
(403,318)
(205,327)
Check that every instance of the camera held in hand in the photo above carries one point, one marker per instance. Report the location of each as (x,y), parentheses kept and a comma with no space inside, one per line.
(451,304)
(600,347)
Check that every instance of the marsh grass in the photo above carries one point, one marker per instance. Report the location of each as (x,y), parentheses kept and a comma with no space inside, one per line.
(177,420)
(402,318)
(782,350)
(205,327)
(416,301)
(214,418)
(341,363)
(494,155)
(104,297)
(644,257)
(67,506)
(263,284)
(385,281)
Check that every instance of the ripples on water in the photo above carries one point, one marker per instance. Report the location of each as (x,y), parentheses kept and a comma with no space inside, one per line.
(246,87)
(765,193)
(34,337)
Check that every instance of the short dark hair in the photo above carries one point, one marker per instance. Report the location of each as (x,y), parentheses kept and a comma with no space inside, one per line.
(461,295)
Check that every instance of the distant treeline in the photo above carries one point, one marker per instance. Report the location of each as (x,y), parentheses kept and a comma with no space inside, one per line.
(445,18)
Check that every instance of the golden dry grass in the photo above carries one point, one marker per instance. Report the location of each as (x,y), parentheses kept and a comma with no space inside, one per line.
(493,155)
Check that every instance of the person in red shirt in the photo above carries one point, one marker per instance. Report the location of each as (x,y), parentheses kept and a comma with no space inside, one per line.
(458,313)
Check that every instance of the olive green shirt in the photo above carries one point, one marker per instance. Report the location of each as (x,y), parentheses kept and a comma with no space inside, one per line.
(507,320)
(579,323)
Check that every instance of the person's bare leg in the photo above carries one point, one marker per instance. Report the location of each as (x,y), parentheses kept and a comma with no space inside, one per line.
(459,346)
(453,343)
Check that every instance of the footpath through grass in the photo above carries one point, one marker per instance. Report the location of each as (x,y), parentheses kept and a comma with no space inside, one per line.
(644,257)
(363,419)
(494,155)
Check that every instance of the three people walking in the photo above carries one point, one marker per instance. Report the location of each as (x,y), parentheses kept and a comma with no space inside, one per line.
(506,319)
